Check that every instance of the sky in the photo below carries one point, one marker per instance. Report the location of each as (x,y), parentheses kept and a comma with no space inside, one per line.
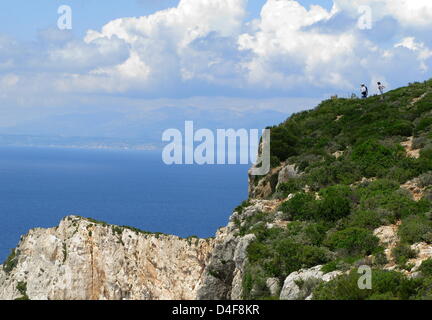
(137,67)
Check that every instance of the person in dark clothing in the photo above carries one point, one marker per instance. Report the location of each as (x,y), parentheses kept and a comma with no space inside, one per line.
(364,91)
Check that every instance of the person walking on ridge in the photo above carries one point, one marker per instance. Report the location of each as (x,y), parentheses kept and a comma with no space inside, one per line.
(381,88)
(364,91)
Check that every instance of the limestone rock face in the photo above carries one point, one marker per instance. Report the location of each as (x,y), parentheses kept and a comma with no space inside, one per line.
(388,239)
(240,260)
(299,285)
(82,259)
(223,277)
(273,284)
(287,173)
(263,187)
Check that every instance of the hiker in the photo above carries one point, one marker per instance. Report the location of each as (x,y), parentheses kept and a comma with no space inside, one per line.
(364,91)
(381,88)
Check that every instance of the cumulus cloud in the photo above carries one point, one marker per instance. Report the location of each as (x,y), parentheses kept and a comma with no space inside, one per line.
(295,47)
(208,47)
(423,52)
(162,44)
(285,54)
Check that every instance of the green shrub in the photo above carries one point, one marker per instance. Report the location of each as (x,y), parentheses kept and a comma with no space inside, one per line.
(416,229)
(290,187)
(283,142)
(11,261)
(398,204)
(301,207)
(402,253)
(377,187)
(283,256)
(425,179)
(380,259)
(386,285)
(353,241)
(373,158)
(335,203)
(365,219)
(423,124)
(22,288)
(426,267)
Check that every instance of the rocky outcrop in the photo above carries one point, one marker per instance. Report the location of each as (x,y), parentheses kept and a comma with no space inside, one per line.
(410,151)
(218,276)
(389,239)
(287,173)
(83,259)
(423,251)
(414,188)
(300,284)
(273,285)
(262,187)
(240,260)
(223,277)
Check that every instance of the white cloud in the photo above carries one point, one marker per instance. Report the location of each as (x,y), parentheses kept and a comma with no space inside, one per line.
(208,47)
(160,43)
(424,53)
(285,54)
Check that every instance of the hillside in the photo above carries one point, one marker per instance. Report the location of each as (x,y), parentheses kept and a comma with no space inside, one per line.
(350,186)
(354,181)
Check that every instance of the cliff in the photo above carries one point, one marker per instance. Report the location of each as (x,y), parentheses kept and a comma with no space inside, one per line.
(83,259)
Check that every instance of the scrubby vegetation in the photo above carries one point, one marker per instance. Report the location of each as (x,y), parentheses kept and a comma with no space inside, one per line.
(338,201)
(387,285)
(22,288)
(11,261)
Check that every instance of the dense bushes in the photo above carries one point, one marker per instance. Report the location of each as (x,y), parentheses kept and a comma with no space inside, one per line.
(277,253)
(353,241)
(426,267)
(386,285)
(416,229)
(402,253)
(283,142)
(365,219)
(385,197)
(335,203)
(373,158)
(301,207)
(332,204)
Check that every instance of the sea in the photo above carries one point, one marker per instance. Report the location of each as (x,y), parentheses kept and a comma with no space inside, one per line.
(40,186)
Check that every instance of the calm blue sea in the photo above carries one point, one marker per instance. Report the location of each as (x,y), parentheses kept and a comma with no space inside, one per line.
(38,187)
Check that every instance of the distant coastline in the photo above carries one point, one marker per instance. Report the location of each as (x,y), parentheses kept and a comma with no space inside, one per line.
(85,143)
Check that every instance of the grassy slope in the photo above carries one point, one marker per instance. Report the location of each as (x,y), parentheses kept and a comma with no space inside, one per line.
(336,228)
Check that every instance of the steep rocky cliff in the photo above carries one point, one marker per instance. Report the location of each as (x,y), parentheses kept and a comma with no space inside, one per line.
(83,259)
